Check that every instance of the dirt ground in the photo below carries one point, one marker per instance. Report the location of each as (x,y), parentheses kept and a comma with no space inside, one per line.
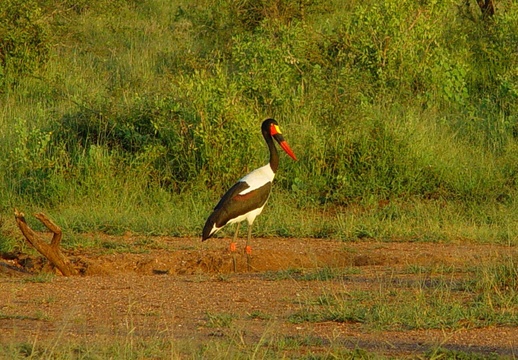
(172,286)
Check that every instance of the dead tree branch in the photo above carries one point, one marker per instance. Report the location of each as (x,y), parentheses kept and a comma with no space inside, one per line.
(51,251)
(487,7)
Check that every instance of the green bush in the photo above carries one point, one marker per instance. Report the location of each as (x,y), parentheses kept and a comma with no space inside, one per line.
(24,40)
(381,100)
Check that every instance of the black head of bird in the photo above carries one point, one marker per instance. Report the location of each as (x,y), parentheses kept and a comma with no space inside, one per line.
(270,129)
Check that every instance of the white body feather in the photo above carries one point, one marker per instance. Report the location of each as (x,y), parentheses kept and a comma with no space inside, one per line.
(258,178)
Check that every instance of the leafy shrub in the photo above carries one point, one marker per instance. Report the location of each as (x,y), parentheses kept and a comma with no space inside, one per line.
(24,40)
(380,99)
(265,68)
(31,161)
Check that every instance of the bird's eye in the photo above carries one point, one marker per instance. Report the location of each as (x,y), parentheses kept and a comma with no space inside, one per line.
(274,130)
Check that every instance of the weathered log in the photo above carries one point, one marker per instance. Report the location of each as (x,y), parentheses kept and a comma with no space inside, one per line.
(51,251)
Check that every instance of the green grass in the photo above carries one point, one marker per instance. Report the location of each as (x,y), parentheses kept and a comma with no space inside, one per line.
(259,315)
(140,120)
(486,296)
(269,348)
(220,320)
(40,278)
(440,353)
(322,274)
(184,215)
(228,348)
(36,316)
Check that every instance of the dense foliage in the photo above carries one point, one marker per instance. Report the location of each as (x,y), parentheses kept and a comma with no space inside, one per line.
(379,99)
(24,43)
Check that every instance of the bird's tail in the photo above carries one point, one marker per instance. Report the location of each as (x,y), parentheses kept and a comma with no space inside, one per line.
(209,229)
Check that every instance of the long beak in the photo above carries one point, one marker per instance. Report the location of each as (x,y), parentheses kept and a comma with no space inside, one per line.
(287,148)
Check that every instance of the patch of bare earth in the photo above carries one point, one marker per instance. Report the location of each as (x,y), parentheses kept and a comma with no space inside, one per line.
(170,289)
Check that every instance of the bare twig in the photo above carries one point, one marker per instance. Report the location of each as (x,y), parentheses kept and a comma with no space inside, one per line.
(51,251)
(487,7)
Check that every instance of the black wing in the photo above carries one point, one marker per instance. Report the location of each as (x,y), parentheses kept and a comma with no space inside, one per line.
(232,205)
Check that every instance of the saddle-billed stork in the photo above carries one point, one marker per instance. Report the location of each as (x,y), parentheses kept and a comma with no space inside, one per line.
(246,199)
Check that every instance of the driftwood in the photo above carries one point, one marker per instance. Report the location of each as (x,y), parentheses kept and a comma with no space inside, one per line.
(51,251)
